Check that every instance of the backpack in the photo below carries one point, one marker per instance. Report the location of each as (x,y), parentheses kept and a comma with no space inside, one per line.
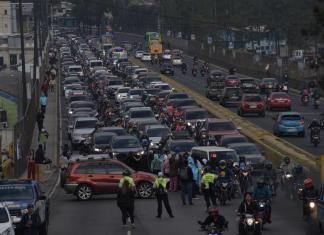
(184,173)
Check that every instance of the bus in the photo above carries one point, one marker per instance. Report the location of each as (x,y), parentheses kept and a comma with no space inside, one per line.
(153,43)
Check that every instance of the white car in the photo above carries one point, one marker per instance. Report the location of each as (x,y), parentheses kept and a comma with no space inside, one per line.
(162,86)
(72,87)
(139,54)
(166,55)
(6,227)
(176,61)
(121,93)
(146,57)
(139,71)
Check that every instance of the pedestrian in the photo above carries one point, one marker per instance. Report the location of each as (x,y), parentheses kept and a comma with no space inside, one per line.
(156,164)
(174,173)
(45,86)
(208,187)
(30,221)
(125,202)
(160,185)
(166,165)
(53,73)
(186,179)
(52,84)
(40,120)
(126,177)
(195,167)
(43,137)
(31,164)
(39,162)
(43,102)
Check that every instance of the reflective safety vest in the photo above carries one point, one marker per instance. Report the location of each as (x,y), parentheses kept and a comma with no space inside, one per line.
(128,179)
(160,182)
(208,178)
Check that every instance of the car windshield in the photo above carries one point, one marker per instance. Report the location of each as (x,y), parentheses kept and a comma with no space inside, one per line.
(233,140)
(152,91)
(4,218)
(253,98)
(16,193)
(221,126)
(163,94)
(246,150)
(123,90)
(196,115)
(136,92)
(269,81)
(82,105)
(116,82)
(153,79)
(178,96)
(76,69)
(291,118)
(182,146)
(280,96)
(126,143)
(226,155)
(142,114)
(164,87)
(158,132)
(105,139)
(233,91)
(85,124)
(78,98)
(95,64)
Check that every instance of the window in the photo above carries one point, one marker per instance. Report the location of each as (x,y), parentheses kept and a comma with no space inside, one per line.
(97,168)
(6,12)
(115,169)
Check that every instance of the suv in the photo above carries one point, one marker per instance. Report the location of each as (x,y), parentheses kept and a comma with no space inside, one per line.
(17,195)
(6,226)
(101,176)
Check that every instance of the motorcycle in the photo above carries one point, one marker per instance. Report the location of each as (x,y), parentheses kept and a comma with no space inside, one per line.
(310,208)
(204,139)
(315,136)
(194,72)
(262,214)
(316,103)
(305,99)
(321,121)
(184,71)
(212,230)
(251,225)
(223,193)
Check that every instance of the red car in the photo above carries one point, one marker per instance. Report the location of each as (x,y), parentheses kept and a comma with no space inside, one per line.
(91,176)
(232,81)
(279,100)
(220,127)
(252,103)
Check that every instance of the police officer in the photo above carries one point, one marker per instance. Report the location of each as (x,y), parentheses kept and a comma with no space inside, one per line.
(126,177)
(208,187)
(160,185)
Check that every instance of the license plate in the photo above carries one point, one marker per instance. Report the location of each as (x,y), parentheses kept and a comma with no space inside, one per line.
(253,106)
(292,130)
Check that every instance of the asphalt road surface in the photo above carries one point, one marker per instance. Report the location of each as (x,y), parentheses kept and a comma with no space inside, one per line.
(198,84)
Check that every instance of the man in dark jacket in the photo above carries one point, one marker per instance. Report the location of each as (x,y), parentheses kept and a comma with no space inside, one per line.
(40,120)
(186,180)
(30,221)
(125,202)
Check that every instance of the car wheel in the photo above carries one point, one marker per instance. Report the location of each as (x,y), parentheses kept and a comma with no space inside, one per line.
(145,190)
(44,228)
(84,192)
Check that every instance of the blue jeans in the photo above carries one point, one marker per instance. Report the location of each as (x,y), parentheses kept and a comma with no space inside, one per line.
(186,189)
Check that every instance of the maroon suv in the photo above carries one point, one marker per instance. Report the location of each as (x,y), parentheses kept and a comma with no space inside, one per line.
(91,177)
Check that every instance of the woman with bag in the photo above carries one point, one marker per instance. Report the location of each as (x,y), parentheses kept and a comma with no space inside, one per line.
(125,202)
(31,164)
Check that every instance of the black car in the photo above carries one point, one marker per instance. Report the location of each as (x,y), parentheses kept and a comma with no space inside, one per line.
(231,96)
(167,69)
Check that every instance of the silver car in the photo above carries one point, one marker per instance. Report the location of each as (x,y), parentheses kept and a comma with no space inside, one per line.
(83,128)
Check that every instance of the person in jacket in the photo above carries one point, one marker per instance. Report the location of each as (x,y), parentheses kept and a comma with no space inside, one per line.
(160,185)
(30,221)
(270,177)
(208,187)
(308,192)
(262,193)
(43,137)
(156,164)
(214,219)
(39,161)
(125,202)
(287,166)
(40,120)
(195,167)
(31,165)
(43,102)
(126,178)
(166,164)
(174,173)
(186,180)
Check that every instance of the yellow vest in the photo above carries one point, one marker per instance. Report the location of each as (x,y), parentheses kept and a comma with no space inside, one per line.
(207,179)
(160,181)
(128,179)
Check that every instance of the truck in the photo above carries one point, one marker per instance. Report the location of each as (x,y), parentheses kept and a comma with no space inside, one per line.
(153,43)
(215,84)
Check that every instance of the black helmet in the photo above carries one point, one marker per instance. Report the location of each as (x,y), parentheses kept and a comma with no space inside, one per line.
(241,159)
(126,172)
(230,163)
(222,164)
(260,182)
(298,169)
(286,160)
(269,165)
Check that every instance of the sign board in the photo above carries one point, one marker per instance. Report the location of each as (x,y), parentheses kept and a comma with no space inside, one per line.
(193,37)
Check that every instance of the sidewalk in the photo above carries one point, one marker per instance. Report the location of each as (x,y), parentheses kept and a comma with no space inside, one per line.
(50,173)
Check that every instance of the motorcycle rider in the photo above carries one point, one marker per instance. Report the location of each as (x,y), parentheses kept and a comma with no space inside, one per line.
(270,177)
(214,219)
(304,93)
(194,70)
(195,59)
(308,191)
(262,193)
(208,187)
(184,67)
(232,71)
(226,175)
(247,206)
(287,166)
(314,126)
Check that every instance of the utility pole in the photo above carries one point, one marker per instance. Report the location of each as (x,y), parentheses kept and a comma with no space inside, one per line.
(22,46)
(35,39)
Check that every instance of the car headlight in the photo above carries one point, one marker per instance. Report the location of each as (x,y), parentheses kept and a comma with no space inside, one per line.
(96,150)
(151,144)
(312,205)
(288,176)
(189,124)
(140,152)
(114,153)
(70,112)
(250,221)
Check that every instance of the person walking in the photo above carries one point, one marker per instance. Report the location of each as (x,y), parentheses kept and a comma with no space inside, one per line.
(166,165)
(43,102)
(160,185)
(43,137)
(31,164)
(39,162)
(126,178)
(174,173)
(186,179)
(156,164)
(45,86)
(208,187)
(125,202)
(30,221)
(52,84)
(40,120)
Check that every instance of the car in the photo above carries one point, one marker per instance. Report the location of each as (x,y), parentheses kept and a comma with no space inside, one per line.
(155,134)
(79,104)
(279,100)
(175,103)
(231,96)
(74,97)
(179,145)
(95,63)
(101,141)
(146,57)
(220,127)
(221,153)
(162,86)
(267,85)
(84,177)
(128,105)
(121,93)
(138,54)
(139,114)
(176,95)
(138,71)
(252,103)
(176,61)
(289,123)
(251,153)
(75,70)
(121,146)
(166,55)
(230,139)
(192,115)
(114,129)
(249,85)
(167,69)
(72,87)
(135,93)
(232,81)
(6,224)
(72,120)
(83,128)
(17,194)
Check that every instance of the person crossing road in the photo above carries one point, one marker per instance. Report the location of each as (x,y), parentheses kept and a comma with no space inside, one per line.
(160,185)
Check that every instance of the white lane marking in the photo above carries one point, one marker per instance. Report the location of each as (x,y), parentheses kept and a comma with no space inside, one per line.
(129,232)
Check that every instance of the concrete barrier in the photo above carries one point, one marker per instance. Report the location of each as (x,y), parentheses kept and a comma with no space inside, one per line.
(275,148)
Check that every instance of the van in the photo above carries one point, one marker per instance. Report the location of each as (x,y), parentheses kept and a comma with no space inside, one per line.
(221,153)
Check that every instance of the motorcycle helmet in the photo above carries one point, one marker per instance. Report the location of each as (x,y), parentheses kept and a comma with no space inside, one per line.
(213,211)
(268,165)
(222,164)
(298,169)
(230,163)
(260,182)
(241,159)
(308,183)
(126,173)
(222,174)
(286,160)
